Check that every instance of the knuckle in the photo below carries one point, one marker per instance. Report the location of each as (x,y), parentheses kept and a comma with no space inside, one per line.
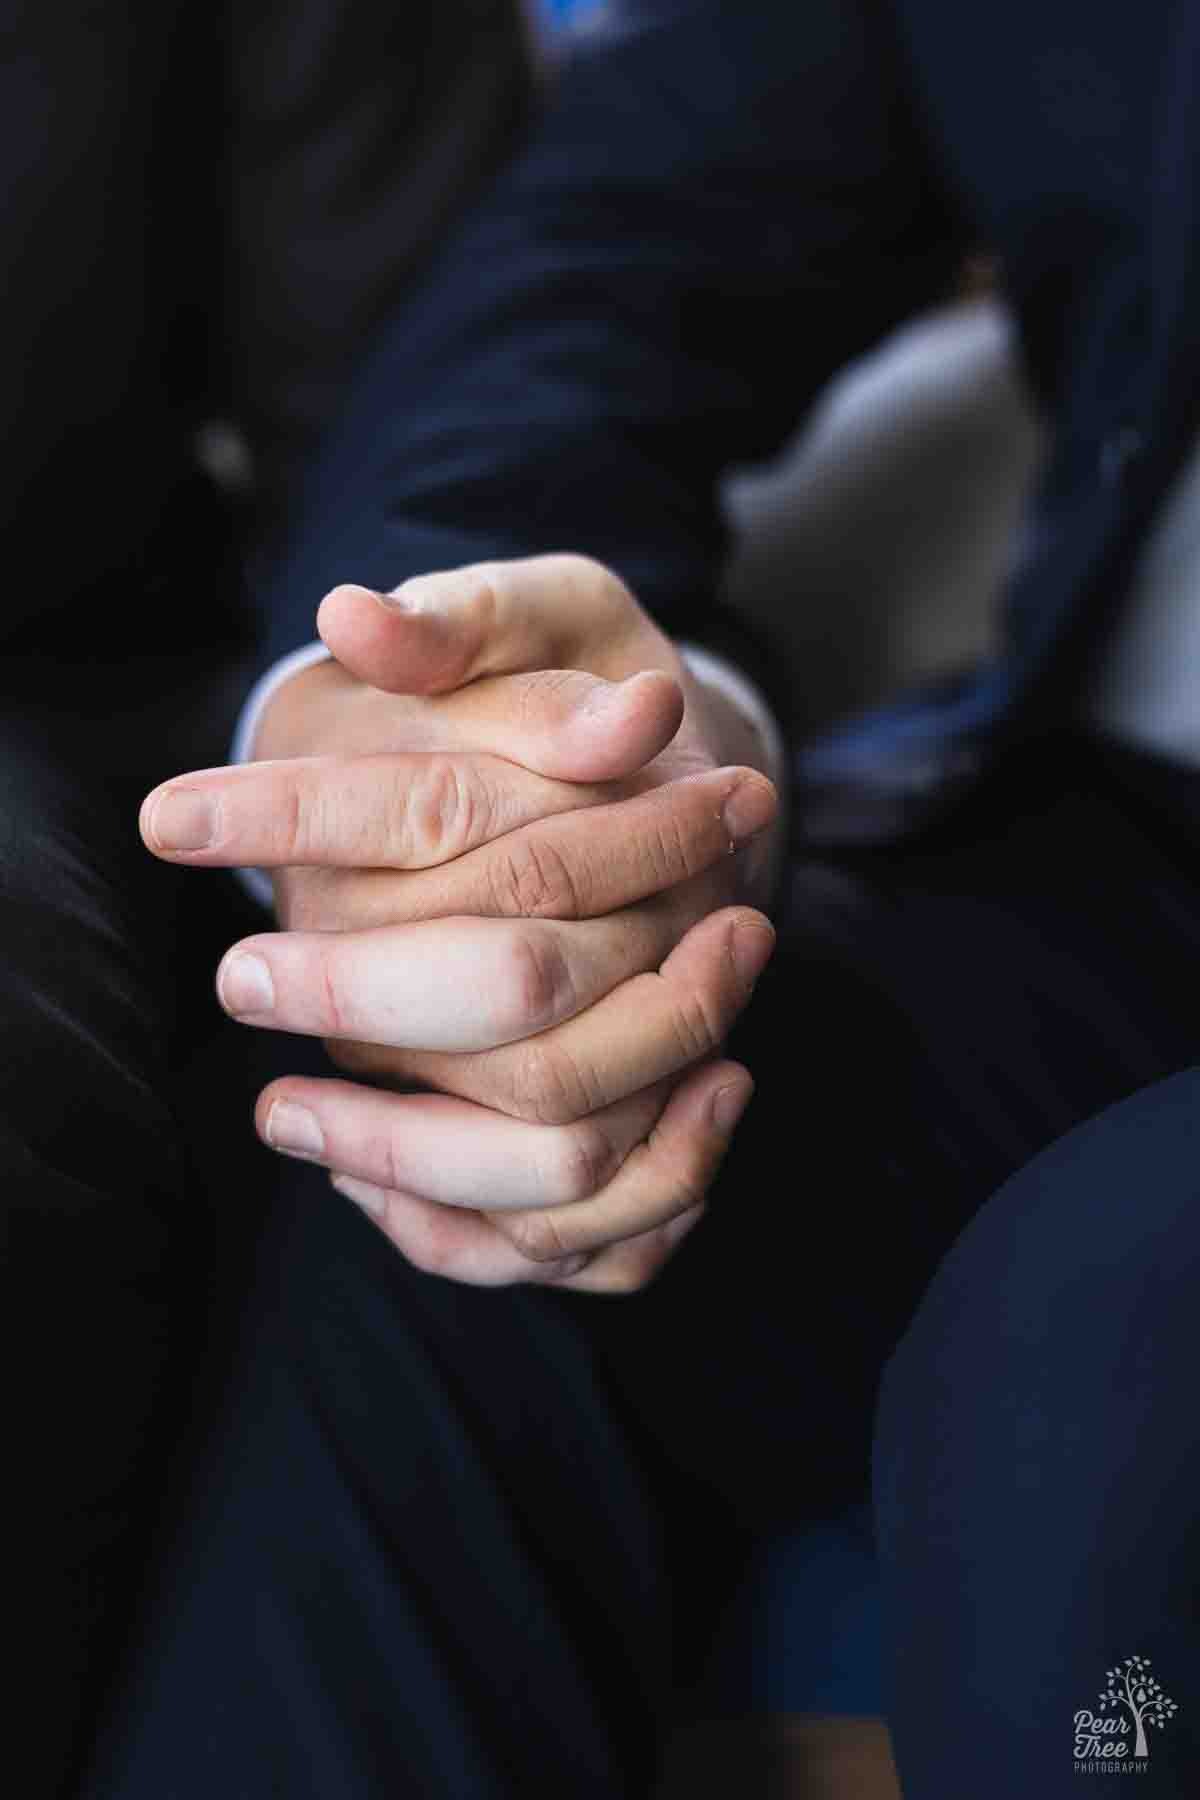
(539,985)
(695,1024)
(441,813)
(671,848)
(587,578)
(431,1247)
(582,1163)
(537,1236)
(531,880)
(546,1087)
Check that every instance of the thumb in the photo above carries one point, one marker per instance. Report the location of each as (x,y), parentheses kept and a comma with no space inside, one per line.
(403,642)
(438,632)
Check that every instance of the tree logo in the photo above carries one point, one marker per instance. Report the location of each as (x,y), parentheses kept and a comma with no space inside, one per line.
(1102,1742)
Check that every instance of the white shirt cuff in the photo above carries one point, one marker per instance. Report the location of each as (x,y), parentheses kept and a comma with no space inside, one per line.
(257,882)
(263,690)
(715,672)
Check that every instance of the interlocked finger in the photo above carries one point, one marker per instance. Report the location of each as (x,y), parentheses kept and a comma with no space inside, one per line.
(665,1177)
(655,1198)
(399,810)
(443,985)
(580,864)
(649,1029)
(450,1151)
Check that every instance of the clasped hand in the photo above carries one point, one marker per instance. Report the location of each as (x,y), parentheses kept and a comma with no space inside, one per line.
(500,826)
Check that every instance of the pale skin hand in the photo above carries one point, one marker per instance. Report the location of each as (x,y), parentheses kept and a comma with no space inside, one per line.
(508,880)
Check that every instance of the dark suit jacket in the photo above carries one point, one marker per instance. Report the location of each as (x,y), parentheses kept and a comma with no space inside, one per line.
(204,211)
(728,199)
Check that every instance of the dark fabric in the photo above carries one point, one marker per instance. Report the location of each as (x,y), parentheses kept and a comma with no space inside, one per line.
(353,134)
(204,212)
(107,121)
(94,1207)
(443,1541)
(725,203)
(1037,1474)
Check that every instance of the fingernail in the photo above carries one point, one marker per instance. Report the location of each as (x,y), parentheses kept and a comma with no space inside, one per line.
(355,587)
(245,985)
(422,594)
(752,946)
(373,1200)
(748,809)
(181,819)
(294,1129)
(728,1104)
(572,1265)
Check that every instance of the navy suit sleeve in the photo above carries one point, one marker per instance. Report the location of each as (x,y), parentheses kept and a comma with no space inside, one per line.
(723,202)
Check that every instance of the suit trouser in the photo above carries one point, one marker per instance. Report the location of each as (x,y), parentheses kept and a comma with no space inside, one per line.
(373,1533)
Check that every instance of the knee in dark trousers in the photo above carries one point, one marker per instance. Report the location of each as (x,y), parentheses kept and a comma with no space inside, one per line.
(1037,1470)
